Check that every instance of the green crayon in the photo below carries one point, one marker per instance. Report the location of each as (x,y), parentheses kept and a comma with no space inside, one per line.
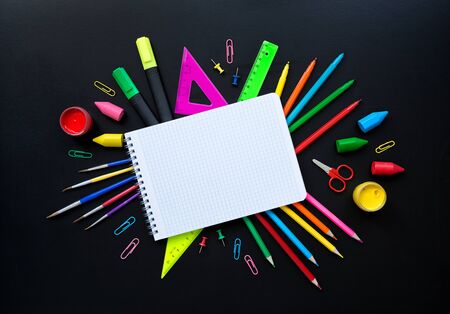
(350,144)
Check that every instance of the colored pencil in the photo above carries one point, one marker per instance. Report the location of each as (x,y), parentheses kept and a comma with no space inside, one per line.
(310,199)
(310,230)
(291,236)
(319,224)
(288,250)
(319,132)
(108,202)
(325,75)
(303,119)
(99,178)
(299,87)
(282,80)
(109,164)
(114,210)
(262,246)
(92,196)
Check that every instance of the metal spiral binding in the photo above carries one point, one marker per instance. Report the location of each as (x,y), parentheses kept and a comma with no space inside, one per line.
(145,202)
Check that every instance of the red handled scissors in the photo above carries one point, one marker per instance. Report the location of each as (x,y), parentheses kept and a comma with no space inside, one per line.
(337,175)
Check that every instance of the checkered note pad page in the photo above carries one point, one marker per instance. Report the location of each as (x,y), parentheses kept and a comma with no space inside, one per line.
(217,166)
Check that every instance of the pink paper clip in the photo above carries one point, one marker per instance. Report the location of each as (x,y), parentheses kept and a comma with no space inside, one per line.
(251,264)
(130,248)
(229,50)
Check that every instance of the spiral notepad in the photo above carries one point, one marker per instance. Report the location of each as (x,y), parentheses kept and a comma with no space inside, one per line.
(215,166)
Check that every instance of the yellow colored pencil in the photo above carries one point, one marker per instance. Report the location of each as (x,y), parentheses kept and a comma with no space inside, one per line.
(310,230)
(99,178)
(282,80)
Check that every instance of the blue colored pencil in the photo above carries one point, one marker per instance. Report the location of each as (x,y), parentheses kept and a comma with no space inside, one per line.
(109,164)
(291,236)
(92,196)
(325,75)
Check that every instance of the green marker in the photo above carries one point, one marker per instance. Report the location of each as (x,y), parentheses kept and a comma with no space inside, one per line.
(303,119)
(258,240)
(134,97)
(350,144)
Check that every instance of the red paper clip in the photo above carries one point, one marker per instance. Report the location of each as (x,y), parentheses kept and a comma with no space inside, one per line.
(229,50)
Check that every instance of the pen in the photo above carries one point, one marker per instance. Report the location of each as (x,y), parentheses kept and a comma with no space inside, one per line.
(325,75)
(153,77)
(134,97)
(299,87)
(282,80)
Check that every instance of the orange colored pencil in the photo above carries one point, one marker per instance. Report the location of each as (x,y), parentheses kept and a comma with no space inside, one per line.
(314,219)
(298,89)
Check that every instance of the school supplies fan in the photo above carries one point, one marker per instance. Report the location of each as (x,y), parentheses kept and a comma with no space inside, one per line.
(192,72)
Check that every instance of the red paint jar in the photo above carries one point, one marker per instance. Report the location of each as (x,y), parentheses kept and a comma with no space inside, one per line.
(75,121)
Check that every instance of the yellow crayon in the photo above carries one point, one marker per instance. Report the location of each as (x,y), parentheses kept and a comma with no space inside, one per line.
(109,140)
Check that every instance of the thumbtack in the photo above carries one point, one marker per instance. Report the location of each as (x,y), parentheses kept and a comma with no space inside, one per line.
(202,244)
(221,236)
(236,78)
(217,67)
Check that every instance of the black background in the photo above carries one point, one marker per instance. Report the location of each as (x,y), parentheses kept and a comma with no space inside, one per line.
(52,51)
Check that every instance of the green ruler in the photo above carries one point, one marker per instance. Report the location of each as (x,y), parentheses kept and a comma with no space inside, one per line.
(259,71)
(176,246)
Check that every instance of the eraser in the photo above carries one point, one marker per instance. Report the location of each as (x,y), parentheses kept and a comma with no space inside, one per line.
(110,110)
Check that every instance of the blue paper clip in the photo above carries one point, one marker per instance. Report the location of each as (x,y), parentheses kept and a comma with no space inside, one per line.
(237,248)
(125,225)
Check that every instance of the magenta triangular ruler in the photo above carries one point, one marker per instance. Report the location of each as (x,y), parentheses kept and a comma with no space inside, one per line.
(191,71)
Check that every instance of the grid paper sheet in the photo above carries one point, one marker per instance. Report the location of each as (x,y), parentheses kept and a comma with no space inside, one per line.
(216,166)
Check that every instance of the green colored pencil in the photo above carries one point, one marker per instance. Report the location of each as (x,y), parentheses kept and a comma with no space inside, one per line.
(302,120)
(258,240)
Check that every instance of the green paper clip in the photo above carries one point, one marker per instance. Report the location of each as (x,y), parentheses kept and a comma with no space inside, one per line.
(79,154)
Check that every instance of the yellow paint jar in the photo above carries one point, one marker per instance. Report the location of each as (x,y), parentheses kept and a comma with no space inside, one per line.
(369,196)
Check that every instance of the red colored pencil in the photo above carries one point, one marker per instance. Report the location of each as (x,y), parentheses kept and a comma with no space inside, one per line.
(288,250)
(310,139)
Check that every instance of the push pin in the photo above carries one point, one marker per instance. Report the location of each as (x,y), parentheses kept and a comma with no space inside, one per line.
(217,67)
(221,236)
(236,78)
(202,244)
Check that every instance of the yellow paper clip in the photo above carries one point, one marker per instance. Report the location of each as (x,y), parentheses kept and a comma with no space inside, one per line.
(105,88)
(130,248)
(79,154)
(251,264)
(384,147)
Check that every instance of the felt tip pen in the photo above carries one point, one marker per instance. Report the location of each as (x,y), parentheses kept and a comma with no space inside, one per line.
(153,77)
(92,196)
(134,97)
(325,75)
